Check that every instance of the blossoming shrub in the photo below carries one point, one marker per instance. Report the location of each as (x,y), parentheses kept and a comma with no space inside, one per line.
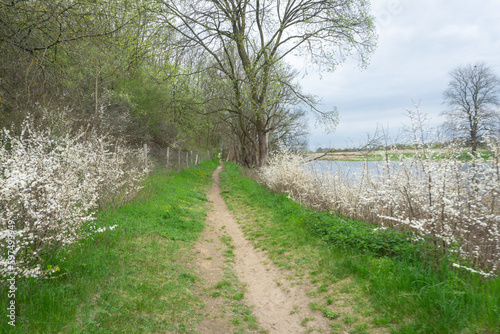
(50,188)
(456,203)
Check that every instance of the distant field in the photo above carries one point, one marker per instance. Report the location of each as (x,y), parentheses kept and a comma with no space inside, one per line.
(379,155)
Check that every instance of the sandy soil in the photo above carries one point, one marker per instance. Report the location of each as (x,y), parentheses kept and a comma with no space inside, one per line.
(278,308)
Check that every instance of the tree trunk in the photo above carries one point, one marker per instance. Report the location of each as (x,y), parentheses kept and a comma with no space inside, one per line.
(473,136)
(263,144)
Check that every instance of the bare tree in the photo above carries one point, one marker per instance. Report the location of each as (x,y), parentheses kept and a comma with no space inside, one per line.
(256,35)
(473,98)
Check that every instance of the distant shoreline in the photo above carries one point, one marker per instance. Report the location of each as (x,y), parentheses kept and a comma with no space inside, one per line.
(378,155)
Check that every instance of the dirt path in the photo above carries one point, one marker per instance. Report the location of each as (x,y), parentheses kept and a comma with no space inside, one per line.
(279,307)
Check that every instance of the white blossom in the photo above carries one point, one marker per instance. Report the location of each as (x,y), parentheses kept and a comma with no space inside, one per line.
(50,188)
(444,198)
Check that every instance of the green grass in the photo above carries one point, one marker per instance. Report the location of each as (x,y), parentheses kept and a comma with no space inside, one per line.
(139,278)
(407,292)
(135,279)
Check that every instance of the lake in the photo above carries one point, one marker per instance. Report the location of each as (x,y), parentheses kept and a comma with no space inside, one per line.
(352,169)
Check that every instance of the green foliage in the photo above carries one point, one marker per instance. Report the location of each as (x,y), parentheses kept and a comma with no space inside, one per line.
(349,234)
(112,72)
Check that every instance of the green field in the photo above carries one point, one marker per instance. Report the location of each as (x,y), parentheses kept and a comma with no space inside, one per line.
(464,155)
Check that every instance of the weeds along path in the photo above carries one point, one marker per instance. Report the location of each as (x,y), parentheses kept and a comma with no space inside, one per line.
(279,308)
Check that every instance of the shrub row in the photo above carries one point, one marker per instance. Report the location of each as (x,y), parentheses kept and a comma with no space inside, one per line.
(453,202)
(50,189)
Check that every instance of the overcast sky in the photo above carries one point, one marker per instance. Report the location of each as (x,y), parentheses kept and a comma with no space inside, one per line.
(420,42)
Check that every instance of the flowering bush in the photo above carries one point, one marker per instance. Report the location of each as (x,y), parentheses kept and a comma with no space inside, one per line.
(50,188)
(456,203)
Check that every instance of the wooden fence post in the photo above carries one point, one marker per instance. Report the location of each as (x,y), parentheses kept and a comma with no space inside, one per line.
(168,157)
(146,158)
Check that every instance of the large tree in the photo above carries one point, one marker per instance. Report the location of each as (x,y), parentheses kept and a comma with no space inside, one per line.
(473,98)
(256,36)
(284,117)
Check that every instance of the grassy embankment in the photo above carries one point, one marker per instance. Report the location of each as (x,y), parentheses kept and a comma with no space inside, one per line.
(408,292)
(137,278)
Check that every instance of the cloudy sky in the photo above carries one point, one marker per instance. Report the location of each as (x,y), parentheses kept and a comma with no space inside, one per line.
(420,42)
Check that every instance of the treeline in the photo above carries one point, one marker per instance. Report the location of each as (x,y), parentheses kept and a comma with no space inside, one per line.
(192,74)
(119,68)
(105,66)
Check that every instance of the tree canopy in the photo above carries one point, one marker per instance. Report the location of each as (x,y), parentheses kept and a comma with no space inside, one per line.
(248,41)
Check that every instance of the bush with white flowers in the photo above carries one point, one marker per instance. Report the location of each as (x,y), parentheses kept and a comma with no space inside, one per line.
(455,202)
(50,189)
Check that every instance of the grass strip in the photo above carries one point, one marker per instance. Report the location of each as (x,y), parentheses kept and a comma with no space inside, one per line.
(463,156)
(408,293)
(136,278)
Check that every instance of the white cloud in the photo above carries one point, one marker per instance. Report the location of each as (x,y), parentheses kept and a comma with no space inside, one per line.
(419,43)
(459,31)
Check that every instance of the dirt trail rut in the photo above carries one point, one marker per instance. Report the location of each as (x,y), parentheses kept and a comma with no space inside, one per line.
(278,309)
